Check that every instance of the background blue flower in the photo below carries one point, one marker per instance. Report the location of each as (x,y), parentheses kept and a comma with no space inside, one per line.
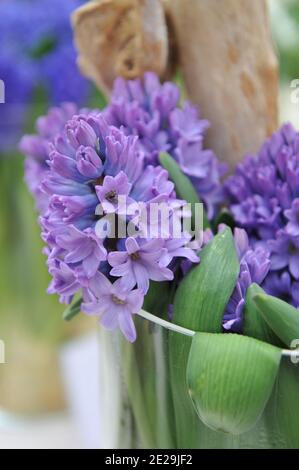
(37,52)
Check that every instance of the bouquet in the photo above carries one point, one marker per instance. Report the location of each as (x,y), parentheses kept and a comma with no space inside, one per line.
(141,222)
(225,291)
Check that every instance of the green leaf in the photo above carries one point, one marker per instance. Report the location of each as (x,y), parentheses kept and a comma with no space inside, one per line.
(230,379)
(199,305)
(281,317)
(72,310)
(285,405)
(157,298)
(183,186)
(204,293)
(254,324)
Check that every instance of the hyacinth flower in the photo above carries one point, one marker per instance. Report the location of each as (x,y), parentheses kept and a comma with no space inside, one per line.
(75,166)
(152,110)
(36,41)
(263,198)
(46,154)
(87,164)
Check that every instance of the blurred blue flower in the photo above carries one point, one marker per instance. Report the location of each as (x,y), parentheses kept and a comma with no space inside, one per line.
(18,90)
(36,50)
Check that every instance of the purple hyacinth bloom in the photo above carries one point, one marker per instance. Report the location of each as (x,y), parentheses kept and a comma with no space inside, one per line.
(71,209)
(178,248)
(285,253)
(84,247)
(114,304)
(79,132)
(140,263)
(185,123)
(64,283)
(293,217)
(151,111)
(113,193)
(282,286)
(153,185)
(86,165)
(88,162)
(263,196)
(254,267)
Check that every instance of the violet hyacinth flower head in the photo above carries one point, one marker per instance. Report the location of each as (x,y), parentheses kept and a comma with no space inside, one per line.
(254,267)
(264,199)
(85,166)
(151,110)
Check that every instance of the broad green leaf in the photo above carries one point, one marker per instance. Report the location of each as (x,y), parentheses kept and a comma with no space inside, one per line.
(183,186)
(285,405)
(202,296)
(230,379)
(254,324)
(72,310)
(281,317)
(199,305)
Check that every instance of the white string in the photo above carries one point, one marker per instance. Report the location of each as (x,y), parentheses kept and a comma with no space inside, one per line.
(292,353)
(185,331)
(166,324)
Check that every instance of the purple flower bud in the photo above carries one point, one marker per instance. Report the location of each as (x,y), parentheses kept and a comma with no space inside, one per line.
(88,162)
(79,132)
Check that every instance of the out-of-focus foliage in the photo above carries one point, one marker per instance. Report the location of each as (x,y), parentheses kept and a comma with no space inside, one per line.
(285,15)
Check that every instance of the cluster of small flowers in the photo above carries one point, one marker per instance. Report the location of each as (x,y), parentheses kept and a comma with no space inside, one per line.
(75,164)
(264,199)
(83,160)
(151,110)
